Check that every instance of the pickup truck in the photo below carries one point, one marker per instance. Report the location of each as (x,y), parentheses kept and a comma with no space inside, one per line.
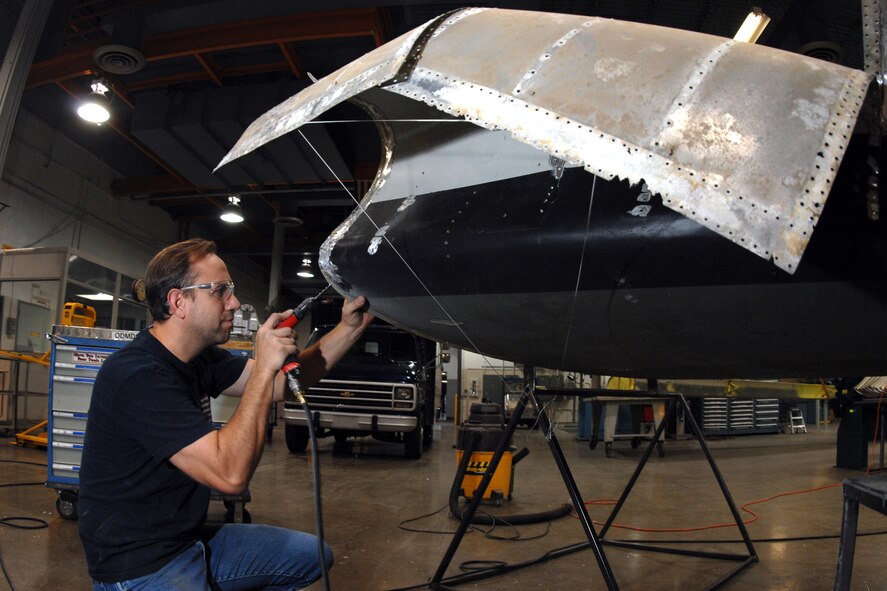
(383,387)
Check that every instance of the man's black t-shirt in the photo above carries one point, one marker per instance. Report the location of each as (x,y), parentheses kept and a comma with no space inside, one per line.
(137,510)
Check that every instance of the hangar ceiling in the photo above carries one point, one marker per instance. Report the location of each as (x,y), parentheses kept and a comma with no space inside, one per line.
(211,67)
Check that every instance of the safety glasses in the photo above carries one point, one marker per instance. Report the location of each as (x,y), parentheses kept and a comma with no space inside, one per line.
(221,290)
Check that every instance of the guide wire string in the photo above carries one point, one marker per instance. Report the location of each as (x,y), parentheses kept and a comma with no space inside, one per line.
(363,210)
(572,315)
(413,272)
(333,121)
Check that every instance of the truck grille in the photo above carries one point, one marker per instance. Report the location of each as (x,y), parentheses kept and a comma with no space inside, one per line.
(373,396)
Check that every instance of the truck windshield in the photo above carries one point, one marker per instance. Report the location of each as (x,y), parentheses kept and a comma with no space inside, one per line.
(378,346)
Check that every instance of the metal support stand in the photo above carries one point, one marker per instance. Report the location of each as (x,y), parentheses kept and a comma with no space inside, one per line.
(596,540)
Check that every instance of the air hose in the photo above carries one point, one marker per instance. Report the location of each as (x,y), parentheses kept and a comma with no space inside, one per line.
(318,513)
(292,370)
(487,519)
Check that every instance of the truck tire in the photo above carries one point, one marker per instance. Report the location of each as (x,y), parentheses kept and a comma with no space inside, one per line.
(427,436)
(412,442)
(296,438)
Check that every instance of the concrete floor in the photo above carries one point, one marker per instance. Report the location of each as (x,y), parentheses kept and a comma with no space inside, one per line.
(369,488)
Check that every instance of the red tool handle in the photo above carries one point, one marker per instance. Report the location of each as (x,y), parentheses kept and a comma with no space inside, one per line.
(288,322)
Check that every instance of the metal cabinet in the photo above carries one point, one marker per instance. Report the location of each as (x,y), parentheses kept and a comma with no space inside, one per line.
(77,354)
(767,415)
(721,416)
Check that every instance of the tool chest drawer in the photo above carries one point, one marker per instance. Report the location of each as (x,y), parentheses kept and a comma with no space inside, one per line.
(70,393)
(80,360)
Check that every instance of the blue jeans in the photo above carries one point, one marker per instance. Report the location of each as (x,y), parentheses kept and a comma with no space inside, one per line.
(239,557)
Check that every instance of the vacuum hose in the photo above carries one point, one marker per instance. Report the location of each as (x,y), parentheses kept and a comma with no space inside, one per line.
(487,519)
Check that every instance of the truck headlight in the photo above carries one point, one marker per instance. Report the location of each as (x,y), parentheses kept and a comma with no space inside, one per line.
(403,393)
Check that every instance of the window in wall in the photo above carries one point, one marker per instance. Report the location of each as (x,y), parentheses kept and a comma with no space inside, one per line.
(28,310)
(131,316)
(90,274)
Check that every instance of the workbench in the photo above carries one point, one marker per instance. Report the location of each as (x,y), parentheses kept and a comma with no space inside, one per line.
(870,491)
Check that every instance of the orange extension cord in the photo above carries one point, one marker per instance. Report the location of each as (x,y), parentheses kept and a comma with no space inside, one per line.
(744,507)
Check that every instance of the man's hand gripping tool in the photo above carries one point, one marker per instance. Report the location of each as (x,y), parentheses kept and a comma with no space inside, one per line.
(291,368)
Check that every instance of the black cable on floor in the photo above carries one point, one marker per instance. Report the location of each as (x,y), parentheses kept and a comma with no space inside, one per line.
(756,540)
(15,522)
(23,462)
(488,533)
(6,573)
(483,518)
(23,484)
(502,567)
(11,522)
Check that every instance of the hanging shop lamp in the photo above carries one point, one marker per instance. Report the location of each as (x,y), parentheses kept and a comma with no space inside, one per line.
(95,109)
(232,213)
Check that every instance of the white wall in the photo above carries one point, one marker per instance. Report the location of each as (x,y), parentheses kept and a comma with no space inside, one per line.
(60,195)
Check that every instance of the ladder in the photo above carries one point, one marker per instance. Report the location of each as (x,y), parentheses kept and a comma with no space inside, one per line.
(796,420)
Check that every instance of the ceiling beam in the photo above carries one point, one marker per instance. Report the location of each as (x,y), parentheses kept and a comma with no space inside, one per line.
(167,189)
(292,58)
(69,63)
(146,185)
(359,22)
(201,74)
(333,24)
(208,63)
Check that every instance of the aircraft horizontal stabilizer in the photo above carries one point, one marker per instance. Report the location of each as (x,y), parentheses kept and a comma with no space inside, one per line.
(743,139)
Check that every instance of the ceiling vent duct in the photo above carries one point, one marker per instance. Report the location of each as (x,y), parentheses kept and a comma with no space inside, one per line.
(828,51)
(289,221)
(123,54)
(119,59)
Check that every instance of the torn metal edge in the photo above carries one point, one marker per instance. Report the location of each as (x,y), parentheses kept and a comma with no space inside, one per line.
(329,91)
(687,191)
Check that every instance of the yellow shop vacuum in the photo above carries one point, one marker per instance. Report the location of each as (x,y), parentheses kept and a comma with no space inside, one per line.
(479,436)
(478,440)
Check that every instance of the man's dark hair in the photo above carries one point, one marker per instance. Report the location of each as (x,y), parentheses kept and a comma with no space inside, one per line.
(170,269)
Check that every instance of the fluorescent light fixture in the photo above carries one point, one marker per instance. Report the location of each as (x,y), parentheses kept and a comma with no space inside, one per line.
(96,297)
(232,213)
(305,270)
(95,108)
(754,25)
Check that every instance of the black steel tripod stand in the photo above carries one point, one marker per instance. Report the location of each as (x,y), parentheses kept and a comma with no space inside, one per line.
(596,540)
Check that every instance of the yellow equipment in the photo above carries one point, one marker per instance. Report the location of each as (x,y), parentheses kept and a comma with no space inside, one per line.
(479,436)
(77,314)
(35,436)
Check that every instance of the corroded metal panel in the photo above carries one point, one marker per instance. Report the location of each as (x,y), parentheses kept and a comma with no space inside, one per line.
(744,139)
